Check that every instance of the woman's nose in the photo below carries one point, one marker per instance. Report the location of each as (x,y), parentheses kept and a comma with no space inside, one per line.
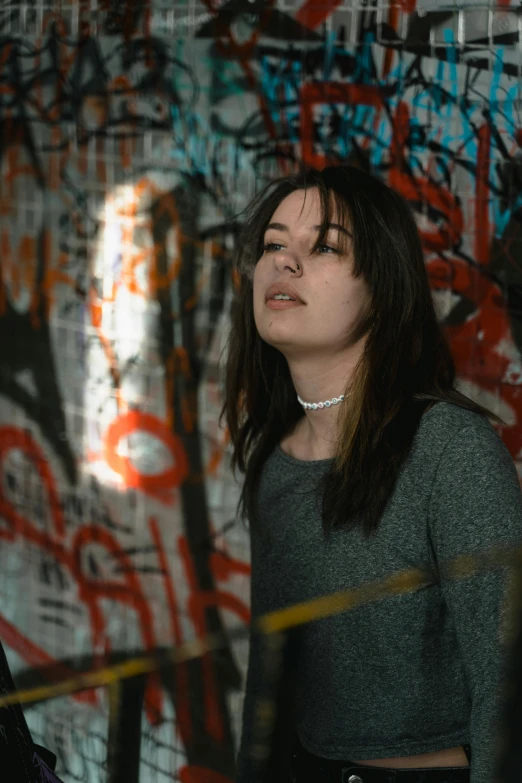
(287,258)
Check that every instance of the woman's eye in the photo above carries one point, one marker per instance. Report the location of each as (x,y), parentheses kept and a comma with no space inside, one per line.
(328,248)
(273,247)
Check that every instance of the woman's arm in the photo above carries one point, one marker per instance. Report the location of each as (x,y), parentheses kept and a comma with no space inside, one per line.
(476,505)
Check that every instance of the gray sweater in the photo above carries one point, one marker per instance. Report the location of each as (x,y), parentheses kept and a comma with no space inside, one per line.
(404,674)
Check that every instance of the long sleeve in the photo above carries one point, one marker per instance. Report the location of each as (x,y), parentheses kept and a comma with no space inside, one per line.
(476,505)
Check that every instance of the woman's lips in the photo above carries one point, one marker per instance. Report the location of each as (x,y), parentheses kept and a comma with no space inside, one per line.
(282,304)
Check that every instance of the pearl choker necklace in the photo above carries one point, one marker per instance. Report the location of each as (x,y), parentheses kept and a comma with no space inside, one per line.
(315,405)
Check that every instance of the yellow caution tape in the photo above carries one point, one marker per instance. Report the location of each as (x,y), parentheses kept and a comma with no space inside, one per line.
(274,622)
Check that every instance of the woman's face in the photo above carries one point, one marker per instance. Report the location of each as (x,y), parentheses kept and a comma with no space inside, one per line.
(334,300)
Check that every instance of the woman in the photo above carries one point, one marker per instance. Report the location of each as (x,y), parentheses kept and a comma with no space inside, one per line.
(362,460)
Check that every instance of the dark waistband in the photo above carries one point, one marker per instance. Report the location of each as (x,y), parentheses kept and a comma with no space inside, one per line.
(308,767)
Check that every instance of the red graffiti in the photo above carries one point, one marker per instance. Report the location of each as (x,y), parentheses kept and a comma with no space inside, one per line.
(198,601)
(90,591)
(312,14)
(182,691)
(125,589)
(51,669)
(474,342)
(328,93)
(482,196)
(421,190)
(414,189)
(14,438)
(408,6)
(18,266)
(129,593)
(135,421)
(194,774)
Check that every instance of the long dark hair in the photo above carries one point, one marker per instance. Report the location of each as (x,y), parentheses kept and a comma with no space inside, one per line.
(405,368)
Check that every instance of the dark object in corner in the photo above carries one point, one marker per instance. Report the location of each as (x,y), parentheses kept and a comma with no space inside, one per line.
(21,760)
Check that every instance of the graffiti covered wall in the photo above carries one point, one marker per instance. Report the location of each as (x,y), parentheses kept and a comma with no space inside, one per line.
(132,134)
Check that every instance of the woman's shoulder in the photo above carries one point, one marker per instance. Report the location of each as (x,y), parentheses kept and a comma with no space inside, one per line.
(443,418)
(475,493)
(461,460)
(445,423)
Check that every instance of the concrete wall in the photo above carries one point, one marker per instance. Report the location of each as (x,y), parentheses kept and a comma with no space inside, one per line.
(131,132)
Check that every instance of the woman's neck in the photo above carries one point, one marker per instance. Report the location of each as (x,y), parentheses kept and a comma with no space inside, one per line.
(311,444)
